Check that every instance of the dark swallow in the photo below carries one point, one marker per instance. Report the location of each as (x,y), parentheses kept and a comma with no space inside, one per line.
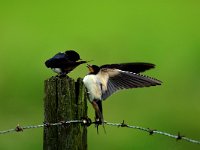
(103,81)
(63,63)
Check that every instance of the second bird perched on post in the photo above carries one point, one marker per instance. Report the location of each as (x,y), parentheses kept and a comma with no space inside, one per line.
(63,63)
(103,81)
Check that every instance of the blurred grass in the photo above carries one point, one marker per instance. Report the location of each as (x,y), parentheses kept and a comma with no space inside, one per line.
(162,32)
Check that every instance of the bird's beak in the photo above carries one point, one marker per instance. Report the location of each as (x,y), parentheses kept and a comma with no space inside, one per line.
(80,60)
(90,68)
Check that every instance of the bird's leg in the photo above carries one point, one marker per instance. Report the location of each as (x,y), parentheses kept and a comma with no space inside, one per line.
(97,115)
(98,111)
(97,105)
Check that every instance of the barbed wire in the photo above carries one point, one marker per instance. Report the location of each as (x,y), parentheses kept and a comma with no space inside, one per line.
(153,131)
(19,128)
(88,122)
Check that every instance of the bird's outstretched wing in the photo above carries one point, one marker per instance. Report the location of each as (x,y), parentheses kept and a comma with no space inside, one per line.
(118,80)
(135,67)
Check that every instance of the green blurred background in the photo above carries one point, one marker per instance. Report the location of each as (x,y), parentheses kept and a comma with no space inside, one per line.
(166,33)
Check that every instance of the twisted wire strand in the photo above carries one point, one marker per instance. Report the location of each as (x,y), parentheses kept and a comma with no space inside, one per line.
(88,122)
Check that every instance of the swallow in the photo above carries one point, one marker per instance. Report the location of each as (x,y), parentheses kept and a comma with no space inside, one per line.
(63,63)
(101,82)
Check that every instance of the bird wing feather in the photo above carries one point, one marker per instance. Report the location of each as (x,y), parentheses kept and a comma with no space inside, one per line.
(135,67)
(118,80)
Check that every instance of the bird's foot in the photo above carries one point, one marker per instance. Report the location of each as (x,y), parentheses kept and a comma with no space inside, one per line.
(99,122)
(62,75)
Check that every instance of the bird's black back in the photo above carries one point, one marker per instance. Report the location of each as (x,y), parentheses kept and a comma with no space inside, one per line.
(63,60)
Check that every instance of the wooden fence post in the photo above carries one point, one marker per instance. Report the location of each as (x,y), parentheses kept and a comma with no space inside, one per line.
(64,100)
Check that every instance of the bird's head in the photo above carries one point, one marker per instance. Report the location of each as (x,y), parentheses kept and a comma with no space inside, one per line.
(93,69)
(72,55)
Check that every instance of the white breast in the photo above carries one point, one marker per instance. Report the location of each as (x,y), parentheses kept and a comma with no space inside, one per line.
(93,86)
(56,70)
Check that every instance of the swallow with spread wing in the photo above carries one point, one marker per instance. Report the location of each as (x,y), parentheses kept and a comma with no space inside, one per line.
(63,63)
(103,81)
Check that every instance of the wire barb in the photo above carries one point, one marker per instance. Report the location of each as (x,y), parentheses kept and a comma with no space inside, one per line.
(18,128)
(151,131)
(179,136)
(123,124)
(46,124)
